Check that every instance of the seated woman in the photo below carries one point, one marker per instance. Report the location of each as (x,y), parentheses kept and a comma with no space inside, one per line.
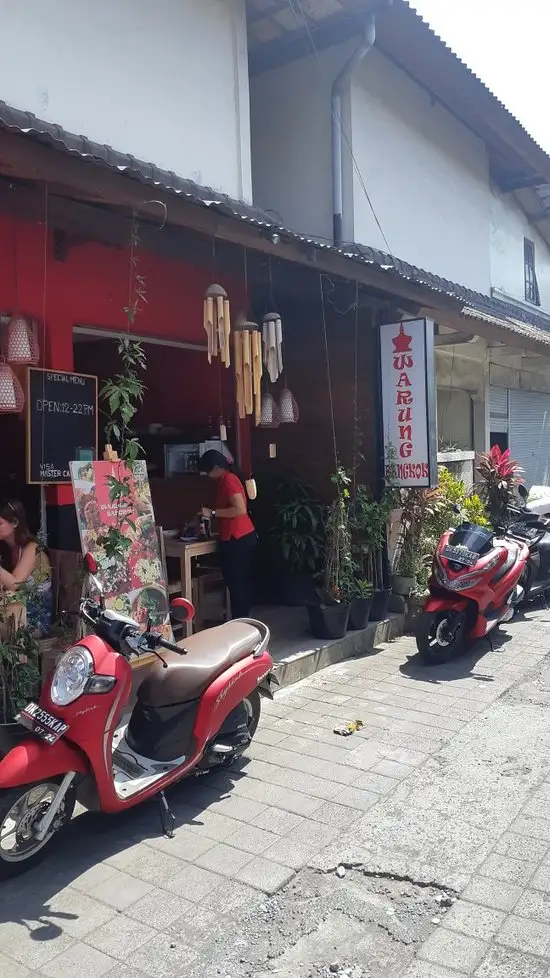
(25,568)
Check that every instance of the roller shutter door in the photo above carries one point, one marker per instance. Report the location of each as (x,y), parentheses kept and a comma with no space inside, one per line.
(529,435)
(498,407)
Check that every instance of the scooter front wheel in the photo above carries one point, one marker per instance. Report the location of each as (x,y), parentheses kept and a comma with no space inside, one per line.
(440,635)
(21,810)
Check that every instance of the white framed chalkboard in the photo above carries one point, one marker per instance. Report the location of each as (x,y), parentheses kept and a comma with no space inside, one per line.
(62,424)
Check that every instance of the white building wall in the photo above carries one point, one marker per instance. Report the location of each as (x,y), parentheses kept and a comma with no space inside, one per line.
(426,175)
(166,82)
(509,227)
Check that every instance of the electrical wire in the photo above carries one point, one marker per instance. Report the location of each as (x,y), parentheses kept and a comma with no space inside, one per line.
(302,21)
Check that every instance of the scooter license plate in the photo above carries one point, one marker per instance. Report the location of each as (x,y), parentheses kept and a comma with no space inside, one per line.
(461,556)
(41,723)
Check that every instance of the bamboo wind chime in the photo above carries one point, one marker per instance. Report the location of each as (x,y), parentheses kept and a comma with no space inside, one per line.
(217,324)
(247,354)
(272,332)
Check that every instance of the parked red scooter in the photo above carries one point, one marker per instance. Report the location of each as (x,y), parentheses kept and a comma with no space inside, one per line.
(475,585)
(198,708)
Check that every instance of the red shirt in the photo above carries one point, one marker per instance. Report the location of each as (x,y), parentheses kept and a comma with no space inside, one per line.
(236,526)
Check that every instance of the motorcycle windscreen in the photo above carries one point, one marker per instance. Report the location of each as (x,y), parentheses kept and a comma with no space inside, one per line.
(476,539)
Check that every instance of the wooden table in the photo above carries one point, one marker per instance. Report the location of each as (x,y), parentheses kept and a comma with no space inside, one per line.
(185,551)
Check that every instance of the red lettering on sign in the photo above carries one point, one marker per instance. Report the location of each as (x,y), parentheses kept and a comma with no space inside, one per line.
(404,380)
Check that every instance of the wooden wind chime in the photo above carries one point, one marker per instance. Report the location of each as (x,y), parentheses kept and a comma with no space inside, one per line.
(247,353)
(217,324)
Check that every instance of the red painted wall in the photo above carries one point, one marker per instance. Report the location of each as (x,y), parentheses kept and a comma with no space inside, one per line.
(91,288)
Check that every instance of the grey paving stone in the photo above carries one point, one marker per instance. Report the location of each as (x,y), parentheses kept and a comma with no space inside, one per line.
(12,969)
(17,942)
(79,959)
(255,840)
(521,847)
(295,854)
(120,937)
(379,783)
(525,935)
(541,879)
(76,914)
(535,828)
(492,893)
(164,956)
(209,824)
(92,877)
(339,815)
(276,821)
(392,769)
(147,864)
(358,798)
(308,784)
(193,883)
(508,870)
(224,859)
(453,950)
(232,898)
(275,795)
(119,890)
(160,909)
(185,845)
(535,905)
(501,962)
(264,874)
(474,920)
(425,969)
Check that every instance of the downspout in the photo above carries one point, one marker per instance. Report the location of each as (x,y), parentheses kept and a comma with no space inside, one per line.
(337,91)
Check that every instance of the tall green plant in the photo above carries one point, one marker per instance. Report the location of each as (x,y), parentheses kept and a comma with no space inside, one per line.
(123,394)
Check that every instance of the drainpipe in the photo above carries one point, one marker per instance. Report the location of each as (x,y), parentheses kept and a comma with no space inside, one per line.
(369,36)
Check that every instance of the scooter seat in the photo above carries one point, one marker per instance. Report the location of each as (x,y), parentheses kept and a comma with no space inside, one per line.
(209,654)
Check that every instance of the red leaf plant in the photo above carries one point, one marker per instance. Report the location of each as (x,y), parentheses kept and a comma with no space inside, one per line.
(500,478)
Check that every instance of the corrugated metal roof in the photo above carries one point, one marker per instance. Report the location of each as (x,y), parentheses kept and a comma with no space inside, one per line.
(473,304)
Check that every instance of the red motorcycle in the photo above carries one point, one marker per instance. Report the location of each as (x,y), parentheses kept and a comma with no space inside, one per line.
(475,585)
(198,708)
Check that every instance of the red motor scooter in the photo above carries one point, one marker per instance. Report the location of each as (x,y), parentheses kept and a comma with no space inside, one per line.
(198,708)
(475,585)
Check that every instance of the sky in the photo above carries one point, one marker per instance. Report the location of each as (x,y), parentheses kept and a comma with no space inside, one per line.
(507,44)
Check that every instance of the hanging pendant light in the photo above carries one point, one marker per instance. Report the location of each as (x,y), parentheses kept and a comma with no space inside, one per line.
(247,354)
(269,417)
(217,323)
(272,331)
(288,409)
(22,344)
(12,399)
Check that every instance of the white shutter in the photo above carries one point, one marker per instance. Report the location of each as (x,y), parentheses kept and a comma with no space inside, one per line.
(498,408)
(529,437)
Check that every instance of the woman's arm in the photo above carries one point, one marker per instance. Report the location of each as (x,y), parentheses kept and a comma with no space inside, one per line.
(237,508)
(23,569)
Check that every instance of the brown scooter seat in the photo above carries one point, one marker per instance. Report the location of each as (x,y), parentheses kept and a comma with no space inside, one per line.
(209,654)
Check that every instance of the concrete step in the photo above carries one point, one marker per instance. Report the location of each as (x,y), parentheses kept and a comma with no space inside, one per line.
(299,665)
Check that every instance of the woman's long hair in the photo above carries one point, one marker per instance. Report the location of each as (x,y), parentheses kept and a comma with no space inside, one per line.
(215,460)
(14,512)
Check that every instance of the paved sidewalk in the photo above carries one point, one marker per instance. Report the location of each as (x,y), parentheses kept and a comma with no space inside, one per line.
(446,789)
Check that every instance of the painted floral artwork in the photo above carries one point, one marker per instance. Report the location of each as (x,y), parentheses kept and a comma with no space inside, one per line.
(136,586)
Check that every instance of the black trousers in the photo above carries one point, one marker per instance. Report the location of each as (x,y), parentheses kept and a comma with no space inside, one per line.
(236,565)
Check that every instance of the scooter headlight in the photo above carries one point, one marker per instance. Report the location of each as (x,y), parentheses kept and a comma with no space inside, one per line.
(71,676)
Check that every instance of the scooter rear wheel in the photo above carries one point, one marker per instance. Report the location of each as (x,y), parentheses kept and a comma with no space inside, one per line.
(440,635)
(21,809)
(253,707)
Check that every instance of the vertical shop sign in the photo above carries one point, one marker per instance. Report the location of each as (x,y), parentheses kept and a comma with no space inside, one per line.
(407,373)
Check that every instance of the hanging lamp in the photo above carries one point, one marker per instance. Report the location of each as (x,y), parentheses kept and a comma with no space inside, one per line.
(247,354)
(288,408)
(270,417)
(12,399)
(217,323)
(272,331)
(22,344)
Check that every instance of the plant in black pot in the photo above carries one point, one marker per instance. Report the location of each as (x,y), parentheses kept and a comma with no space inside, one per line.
(296,539)
(368,521)
(360,594)
(329,614)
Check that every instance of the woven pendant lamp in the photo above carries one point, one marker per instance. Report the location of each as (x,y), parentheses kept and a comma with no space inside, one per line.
(12,399)
(22,344)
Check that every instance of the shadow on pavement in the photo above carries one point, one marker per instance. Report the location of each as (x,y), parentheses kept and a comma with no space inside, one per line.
(459,668)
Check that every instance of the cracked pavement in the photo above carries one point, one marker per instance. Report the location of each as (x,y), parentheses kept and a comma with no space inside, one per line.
(418,847)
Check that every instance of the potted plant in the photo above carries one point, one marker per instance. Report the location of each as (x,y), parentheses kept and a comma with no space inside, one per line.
(360,595)
(329,615)
(295,541)
(500,478)
(369,518)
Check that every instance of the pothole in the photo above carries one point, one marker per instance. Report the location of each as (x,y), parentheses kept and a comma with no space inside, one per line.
(347,923)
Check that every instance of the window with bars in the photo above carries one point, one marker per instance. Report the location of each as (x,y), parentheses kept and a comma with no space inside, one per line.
(531,285)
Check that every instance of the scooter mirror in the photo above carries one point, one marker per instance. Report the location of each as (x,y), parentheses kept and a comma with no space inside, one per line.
(182,610)
(456,509)
(90,563)
(523,492)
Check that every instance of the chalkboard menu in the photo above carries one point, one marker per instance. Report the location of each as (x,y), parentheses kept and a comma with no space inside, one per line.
(61,424)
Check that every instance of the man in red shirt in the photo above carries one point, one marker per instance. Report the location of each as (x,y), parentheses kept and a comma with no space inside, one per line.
(237,536)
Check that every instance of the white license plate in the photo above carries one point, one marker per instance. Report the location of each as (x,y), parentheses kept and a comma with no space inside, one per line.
(41,723)
(466,557)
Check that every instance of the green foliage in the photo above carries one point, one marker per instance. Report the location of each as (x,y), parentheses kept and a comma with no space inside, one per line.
(297,534)
(498,487)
